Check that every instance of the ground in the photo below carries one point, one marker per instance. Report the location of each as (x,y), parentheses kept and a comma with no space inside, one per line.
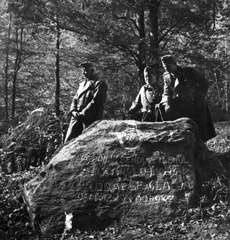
(208,220)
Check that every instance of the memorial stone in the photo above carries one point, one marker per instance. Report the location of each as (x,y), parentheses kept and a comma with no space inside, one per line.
(120,170)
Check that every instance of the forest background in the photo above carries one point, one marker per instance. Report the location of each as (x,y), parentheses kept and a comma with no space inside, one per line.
(42,43)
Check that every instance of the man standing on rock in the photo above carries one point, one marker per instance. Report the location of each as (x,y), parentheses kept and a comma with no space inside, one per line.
(88,103)
(184,96)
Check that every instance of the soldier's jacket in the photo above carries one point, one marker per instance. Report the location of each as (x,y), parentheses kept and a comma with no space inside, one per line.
(187,87)
(89,100)
(186,96)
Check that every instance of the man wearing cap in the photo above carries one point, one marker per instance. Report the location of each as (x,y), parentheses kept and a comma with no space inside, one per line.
(184,96)
(88,103)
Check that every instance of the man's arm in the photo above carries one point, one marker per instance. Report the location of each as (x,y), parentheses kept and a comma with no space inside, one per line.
(136,104)
(73,107)
(98,100)
(167,91)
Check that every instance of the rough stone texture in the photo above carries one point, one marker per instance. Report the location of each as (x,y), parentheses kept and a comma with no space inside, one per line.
(117,170)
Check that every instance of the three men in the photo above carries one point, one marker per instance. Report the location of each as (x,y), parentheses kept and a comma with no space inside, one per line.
(88,103)
(183,96)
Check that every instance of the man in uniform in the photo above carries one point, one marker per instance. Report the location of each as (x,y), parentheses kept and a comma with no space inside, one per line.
(184,96)
(88,103)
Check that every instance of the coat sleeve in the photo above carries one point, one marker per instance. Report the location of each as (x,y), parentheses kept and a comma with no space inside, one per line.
(167,91)
(73,106)
(74,103)
(98,100)
(136,104)
(201,81)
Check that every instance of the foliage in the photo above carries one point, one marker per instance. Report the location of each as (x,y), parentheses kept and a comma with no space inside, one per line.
(31,143)
(15,224)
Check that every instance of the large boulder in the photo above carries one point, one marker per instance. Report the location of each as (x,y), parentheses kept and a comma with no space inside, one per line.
(120,170)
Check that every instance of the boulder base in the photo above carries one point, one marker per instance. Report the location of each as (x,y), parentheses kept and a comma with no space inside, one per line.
(120,170)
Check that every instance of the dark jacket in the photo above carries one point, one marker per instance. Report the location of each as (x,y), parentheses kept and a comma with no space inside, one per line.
(186,96)
(89,100)
(89,103)
(143,107)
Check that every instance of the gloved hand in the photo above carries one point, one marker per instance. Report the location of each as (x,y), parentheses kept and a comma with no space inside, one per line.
(78,115)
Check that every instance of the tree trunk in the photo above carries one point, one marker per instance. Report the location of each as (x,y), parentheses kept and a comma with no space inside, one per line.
(57,73)
(142,45)
(154,7)
(226,94)
(16,69)
(6,68)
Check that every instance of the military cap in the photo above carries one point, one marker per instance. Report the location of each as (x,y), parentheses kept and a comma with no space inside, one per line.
(150,69)
(168,59)
(87,65)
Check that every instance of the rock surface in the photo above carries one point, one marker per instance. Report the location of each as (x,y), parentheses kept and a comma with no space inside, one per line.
(120,170)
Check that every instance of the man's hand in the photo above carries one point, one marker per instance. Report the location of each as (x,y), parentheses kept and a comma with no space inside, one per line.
(167,108)
(75,114)
(78,115)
